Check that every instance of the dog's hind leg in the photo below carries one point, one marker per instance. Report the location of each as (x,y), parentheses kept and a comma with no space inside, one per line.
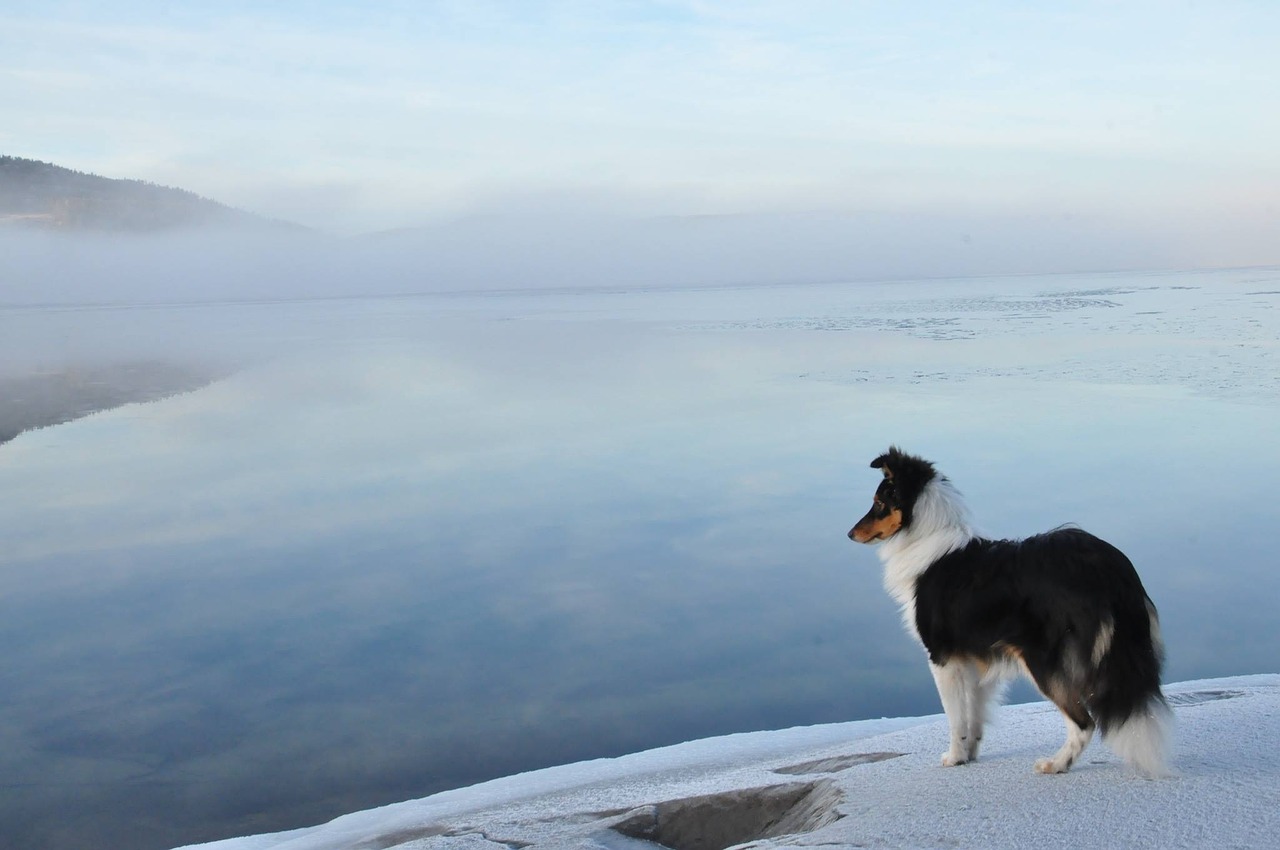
(958,688)
(1079,733)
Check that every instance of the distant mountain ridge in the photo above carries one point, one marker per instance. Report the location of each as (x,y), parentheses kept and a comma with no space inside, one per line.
(46,196)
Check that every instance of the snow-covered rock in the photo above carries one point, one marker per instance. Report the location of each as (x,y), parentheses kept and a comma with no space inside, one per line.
(874,783)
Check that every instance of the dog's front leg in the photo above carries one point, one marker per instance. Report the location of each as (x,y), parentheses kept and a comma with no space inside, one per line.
(953,681)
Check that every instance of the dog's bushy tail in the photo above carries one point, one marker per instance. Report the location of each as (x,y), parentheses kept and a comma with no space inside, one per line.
(1129,706)
(1142,738)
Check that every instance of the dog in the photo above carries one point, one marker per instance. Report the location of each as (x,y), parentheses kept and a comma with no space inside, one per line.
(1064,608)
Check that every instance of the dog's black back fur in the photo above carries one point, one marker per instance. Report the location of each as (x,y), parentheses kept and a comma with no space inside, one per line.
(1046,598)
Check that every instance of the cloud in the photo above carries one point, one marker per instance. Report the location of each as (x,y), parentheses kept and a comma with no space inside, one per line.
(359,122)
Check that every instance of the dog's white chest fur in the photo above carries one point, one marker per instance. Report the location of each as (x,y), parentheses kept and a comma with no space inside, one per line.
(940,524)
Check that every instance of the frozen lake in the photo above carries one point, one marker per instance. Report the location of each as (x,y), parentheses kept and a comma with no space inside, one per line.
(413,543)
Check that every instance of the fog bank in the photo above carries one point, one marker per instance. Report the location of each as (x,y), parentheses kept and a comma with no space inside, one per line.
(562,248)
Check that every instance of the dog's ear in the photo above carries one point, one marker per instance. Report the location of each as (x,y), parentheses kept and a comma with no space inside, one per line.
(881,463)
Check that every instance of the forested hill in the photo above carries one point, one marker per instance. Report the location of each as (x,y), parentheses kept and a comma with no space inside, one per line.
(39,194)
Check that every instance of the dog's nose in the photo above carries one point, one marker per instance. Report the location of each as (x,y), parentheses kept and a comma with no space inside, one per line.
(851,534)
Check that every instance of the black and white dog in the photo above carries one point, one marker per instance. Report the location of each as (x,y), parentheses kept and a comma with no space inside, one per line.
(1064,607)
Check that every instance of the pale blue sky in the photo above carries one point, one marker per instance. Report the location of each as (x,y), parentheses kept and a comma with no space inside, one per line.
(355,117)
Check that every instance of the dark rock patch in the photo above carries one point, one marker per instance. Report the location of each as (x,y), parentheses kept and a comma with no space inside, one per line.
(835,764)
(717,821)
(1197,697)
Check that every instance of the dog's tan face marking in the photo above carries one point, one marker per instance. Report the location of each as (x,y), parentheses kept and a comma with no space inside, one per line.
(871,527)
(884,519)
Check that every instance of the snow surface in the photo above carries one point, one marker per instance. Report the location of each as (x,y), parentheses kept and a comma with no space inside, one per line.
(1226,793)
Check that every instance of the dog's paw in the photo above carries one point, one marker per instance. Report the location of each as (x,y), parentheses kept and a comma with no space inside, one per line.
(952,759)
(1049,766)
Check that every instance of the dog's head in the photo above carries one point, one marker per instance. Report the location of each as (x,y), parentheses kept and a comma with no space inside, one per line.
(905,477)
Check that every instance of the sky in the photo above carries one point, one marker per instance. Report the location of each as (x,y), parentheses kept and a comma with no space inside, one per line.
(354,118)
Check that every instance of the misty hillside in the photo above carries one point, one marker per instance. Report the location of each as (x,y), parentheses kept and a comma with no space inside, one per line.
(46,196)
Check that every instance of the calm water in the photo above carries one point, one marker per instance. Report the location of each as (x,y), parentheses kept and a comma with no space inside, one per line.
(416,543)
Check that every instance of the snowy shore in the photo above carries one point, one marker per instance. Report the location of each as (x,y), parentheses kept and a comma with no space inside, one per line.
(872,783)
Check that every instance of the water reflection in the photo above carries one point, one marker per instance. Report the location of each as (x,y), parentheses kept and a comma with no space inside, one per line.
(449,544)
